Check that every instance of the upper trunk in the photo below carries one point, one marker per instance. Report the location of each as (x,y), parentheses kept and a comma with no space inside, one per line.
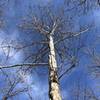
(54,91)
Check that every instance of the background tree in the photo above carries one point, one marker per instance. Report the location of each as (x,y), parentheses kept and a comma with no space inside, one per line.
(82,91)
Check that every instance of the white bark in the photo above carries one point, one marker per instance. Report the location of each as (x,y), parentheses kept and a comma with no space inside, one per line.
(54,91)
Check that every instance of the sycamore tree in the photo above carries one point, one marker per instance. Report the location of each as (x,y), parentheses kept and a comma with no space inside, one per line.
(55,25)
(55,42)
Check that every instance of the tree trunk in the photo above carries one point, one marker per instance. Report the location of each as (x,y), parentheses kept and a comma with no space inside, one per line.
(54,91)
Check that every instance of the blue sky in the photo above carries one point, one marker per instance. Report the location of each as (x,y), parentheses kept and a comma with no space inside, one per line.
(37,80)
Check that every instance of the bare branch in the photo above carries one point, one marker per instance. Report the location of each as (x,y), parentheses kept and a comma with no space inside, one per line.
(27,64)
(71,35)
(67,70)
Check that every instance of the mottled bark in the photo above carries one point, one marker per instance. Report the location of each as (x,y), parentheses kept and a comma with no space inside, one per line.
(54,91)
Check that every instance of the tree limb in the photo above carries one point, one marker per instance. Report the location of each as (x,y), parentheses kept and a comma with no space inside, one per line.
(27,64)
(71,36)
(67,70)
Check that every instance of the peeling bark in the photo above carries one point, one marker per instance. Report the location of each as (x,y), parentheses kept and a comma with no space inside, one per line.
(54,91)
